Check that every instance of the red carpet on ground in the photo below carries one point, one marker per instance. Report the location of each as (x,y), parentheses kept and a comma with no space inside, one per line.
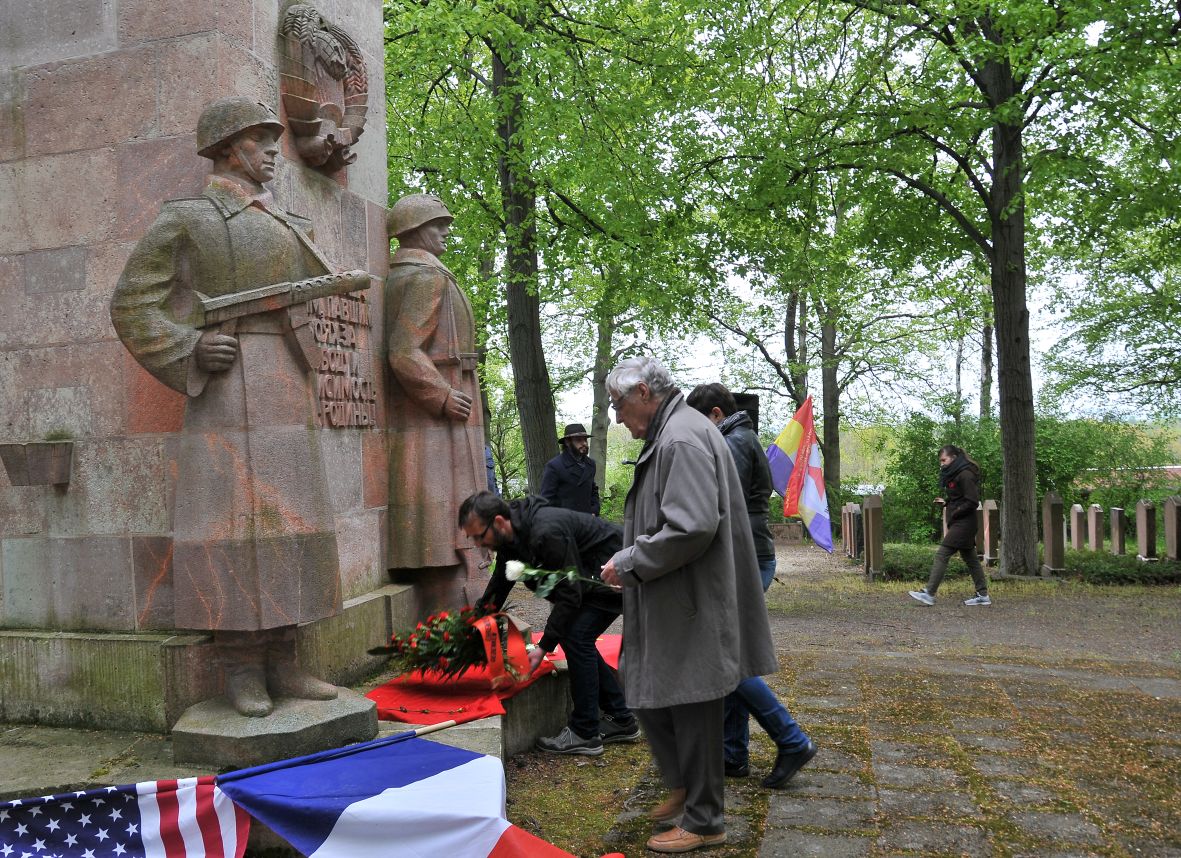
(418,698)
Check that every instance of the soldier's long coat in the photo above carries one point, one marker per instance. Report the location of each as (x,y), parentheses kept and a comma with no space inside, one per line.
(254,542)
(435,463)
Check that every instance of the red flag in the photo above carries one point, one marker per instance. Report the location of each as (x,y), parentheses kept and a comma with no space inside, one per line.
(795,483)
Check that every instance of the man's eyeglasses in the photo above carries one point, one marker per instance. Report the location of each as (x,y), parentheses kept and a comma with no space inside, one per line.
(615,403)
(484,532)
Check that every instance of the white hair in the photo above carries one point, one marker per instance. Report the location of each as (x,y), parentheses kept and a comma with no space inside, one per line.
(623,379)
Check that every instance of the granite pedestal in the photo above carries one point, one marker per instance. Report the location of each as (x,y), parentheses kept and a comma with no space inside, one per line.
(212,733)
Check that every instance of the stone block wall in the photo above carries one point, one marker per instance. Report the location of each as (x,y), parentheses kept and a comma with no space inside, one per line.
(98,108)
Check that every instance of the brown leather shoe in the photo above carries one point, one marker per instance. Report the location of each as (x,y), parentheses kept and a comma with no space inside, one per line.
(669,809)
(680,840)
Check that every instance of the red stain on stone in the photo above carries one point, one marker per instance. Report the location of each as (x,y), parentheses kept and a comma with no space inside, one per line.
(375,469)
(151,406)
(158,570)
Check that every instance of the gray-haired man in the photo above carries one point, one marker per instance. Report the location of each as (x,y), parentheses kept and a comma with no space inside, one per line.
(695,623)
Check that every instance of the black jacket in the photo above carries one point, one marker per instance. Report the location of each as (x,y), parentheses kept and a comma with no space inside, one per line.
(754,475)
(546,537)
(569,483)
(961,490)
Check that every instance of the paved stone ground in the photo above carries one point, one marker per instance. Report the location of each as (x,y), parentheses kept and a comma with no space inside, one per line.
(1046,725)
(966,758)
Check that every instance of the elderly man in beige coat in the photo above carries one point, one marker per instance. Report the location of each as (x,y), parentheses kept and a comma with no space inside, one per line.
(694,620)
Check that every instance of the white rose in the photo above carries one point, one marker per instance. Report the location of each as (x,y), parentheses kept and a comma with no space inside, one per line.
(514,569)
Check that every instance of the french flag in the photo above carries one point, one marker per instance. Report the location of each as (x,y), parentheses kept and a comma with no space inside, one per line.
(400,796)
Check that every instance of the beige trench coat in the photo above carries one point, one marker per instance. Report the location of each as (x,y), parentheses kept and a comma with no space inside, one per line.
(694,620)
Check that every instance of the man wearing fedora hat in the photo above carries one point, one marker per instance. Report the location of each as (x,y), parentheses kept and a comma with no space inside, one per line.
(569,477)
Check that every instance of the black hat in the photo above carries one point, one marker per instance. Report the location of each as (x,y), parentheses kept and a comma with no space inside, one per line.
(574,430)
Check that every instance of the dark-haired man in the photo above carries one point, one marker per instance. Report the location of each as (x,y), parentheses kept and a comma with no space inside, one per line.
(546,537)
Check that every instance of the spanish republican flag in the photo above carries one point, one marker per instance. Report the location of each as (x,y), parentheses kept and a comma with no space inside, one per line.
(797,473)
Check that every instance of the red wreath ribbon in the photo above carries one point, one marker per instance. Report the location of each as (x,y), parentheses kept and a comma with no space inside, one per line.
(508,662)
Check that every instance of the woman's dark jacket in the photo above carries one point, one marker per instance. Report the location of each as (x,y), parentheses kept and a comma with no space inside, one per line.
(547,537)
(961,490)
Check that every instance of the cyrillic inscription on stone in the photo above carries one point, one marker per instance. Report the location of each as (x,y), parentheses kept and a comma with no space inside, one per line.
(343,381)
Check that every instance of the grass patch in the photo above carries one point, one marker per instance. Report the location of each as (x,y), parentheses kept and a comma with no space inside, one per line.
(590,806)
(909,562)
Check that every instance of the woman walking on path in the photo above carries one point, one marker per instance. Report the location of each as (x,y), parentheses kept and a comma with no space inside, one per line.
(959,478)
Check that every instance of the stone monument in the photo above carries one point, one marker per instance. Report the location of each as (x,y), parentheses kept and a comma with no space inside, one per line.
(1119,530)
(99,114)
(992,532)
(1172,517)
(873,523)
(1095,527)
(1078,527)
(1146,531)
(1053,543)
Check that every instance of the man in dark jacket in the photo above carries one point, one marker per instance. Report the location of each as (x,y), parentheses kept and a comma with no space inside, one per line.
(959,477)
(569,477)
(753,696)
(545,537)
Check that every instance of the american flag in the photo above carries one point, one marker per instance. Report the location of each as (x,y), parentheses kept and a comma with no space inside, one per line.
(188,818)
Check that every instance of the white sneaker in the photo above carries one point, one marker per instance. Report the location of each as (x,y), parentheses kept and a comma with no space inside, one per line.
(978,599)
(922,596)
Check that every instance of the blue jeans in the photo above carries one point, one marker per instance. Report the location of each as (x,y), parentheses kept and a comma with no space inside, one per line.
(754,697)
(592,684)
(767,572)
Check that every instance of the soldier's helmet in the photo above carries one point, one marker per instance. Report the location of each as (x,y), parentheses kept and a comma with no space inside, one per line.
(225,117)
(411,212)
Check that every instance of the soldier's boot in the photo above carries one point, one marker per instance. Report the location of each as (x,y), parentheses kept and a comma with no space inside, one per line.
(285,678)
(243,655)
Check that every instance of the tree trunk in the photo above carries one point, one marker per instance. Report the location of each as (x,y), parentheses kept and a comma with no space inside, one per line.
(986,372)
(518,198)
(958,416)
(795,345)
(1007,214)
(486,269)
(831,394)
(600,417)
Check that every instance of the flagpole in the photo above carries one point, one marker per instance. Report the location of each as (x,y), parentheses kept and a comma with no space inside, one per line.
(333,753)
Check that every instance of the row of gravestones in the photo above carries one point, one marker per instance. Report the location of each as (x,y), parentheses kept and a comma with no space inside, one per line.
(862,536)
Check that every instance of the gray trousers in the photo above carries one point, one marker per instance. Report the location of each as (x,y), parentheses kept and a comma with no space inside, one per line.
(686,741)
(939,568)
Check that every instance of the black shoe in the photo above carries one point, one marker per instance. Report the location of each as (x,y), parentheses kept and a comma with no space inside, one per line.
(786,766)
(569,742)
(734,770)
(616,732)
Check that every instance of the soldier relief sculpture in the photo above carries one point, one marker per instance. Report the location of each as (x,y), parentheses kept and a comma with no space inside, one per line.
(214,303)
(436,421)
